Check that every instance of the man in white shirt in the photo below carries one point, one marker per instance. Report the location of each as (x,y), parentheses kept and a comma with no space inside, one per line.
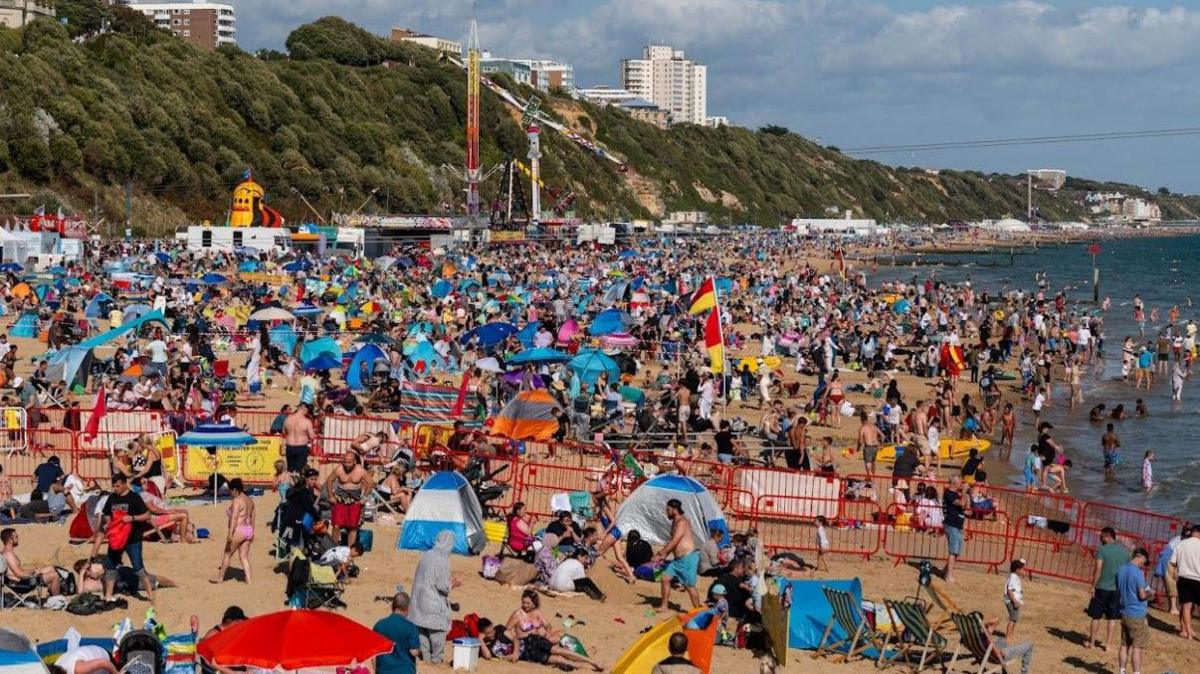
(1186,560)
(707,396)
(157,349)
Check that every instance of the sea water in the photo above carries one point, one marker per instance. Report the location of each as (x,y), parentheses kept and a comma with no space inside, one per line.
(1165,271)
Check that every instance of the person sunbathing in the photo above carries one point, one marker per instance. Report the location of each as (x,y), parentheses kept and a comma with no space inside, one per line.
(395,490)
(91,579)
(167,521)
(499,643)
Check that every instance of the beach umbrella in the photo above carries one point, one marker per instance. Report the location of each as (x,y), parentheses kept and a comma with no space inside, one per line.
(162,258)
(11,267)
(441,289)
(527,333)
(57,270)
(539,355)
(489,334)
(385,261)
(324,361)
(272,314)
(371,307)
(307,311)
(589,364)
(619,340)
(213,278)
(489,364)
(293,640)
(216,436)
(567,331)
(609,321)
(21,290)
(297,265)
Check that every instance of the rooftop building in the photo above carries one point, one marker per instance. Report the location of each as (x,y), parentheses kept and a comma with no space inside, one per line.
(205,24)
(665,77)
(17,13)
(432,41)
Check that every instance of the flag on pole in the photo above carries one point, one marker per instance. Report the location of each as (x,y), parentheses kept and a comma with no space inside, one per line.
(461,401)
(713,342)
(99,409)
(704,298)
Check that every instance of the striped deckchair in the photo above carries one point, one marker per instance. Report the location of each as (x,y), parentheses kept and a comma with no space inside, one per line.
(919,637)
(979,645)
(848,614)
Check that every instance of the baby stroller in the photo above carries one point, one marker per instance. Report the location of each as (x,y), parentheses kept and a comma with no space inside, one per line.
(140,652)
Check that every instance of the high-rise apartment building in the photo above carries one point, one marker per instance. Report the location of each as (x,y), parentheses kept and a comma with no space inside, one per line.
(205,24)
(666,78)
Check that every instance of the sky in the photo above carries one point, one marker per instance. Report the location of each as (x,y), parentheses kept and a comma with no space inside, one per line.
(863,73)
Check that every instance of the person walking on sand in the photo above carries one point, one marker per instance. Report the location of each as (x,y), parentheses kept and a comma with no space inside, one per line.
(686,564)
(1135,593)
(1106,601)
(241,531)
(869,440)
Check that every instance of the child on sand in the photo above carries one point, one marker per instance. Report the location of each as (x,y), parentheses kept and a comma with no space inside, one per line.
(822,544)
(1014,597)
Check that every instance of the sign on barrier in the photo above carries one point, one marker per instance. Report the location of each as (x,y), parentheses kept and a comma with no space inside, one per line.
(13,439)
(255,464)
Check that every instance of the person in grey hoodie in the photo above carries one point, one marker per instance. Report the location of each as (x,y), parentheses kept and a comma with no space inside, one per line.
(430,610)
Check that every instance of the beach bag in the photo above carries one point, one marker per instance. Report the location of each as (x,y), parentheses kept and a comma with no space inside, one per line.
(119,529)
(67,585)
(516,572)
(85,604)
(491,566)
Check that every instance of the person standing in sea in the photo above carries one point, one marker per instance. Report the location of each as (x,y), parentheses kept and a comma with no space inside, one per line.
(1110,444)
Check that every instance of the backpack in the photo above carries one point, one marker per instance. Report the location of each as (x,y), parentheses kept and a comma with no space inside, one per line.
(67,581)
(85,604)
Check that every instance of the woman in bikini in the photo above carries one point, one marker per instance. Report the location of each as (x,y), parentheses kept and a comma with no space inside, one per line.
(836,393)
(607,517)
(241,530)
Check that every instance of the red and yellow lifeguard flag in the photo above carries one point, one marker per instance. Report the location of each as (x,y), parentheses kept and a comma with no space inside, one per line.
(714,343)
(704,298)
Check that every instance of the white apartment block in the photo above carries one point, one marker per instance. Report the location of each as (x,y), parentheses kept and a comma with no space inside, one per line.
(666,78)
(205,24)
(605,95)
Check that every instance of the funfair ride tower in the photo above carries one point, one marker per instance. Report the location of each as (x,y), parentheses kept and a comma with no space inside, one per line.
(473,168)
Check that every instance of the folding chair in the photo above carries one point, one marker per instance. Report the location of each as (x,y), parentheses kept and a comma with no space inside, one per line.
(918,637)
(18,594)
(321,587)
(979,645)
(848,614)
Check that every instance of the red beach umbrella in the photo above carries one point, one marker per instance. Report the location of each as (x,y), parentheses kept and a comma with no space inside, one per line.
(293,640)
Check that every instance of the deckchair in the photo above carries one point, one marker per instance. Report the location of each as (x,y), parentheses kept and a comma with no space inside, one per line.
(979,645)
(25,593)
(848,614)
(919,636)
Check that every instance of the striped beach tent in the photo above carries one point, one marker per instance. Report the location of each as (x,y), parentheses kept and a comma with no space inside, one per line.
(430,403)
(444,503)
(529,416)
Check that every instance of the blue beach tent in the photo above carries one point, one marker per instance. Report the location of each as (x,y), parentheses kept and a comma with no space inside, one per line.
(368,354)
(444,503)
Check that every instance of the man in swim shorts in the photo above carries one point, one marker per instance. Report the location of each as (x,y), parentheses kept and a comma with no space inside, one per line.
(347,488)
(298,435)
(685,567)
(869,439)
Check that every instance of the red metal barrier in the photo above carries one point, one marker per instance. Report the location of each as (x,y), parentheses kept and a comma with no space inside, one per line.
(1052,552)
(1133,527)
(540,481)
(787,522)
(781,482)
(985,540)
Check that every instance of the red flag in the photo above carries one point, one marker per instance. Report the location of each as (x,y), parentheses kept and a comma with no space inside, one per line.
(99,409)
(705,297)
(462,396)
(713,342)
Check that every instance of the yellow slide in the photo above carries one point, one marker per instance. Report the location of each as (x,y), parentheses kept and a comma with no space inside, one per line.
(651,648)
(949,450)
